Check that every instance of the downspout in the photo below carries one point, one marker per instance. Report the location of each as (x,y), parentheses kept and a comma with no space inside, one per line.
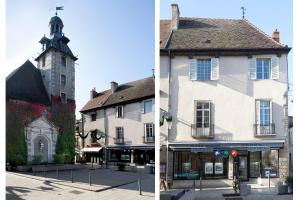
(169,109)
(106,138)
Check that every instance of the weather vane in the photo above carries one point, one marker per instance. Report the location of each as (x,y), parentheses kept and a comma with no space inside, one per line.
(243,11)
(58,8)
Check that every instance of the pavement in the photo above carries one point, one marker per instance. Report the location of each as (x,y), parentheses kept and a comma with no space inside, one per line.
(256,194)
(107,184)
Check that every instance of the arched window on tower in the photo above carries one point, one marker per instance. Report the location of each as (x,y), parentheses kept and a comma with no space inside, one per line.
(52,27)
(56,27)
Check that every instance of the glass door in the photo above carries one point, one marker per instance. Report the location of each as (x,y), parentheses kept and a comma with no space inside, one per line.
(243,168)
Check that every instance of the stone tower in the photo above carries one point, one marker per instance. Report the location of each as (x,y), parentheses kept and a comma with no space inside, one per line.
(57,63)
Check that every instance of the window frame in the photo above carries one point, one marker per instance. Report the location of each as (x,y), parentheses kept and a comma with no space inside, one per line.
(63,85)
(63,61)
(145,102)
(203,110)
(148,126)
(263,60)
(63,99)
(94,116)
(205,76)
(120,133)
(120,111)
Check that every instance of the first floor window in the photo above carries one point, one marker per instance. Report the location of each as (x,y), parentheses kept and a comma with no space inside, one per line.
(149,130)
(203,114)
(264,113)
(63,81)
(119,132)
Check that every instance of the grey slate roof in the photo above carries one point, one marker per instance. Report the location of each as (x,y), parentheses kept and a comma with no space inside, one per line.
(58,42)
(206,33)
(128,92)
(25,83)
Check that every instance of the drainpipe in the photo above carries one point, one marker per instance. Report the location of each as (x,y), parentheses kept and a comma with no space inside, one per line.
(169,109)
(106,138)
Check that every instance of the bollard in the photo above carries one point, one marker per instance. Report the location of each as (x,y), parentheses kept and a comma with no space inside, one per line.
(90,181)
(57,175)
(194,184)
(269,180)
(72,176)
(200,183)
(140,186)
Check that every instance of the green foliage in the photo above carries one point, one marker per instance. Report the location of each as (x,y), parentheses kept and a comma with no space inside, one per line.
(16,149)
(37,159)
(59,159)
(289,180)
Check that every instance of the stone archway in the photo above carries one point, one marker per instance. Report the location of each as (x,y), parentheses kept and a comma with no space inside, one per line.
(41,147)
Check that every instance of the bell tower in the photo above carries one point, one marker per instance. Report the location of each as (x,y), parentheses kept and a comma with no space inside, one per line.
(57,63)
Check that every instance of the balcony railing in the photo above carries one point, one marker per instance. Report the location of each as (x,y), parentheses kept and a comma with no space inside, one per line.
(264,129)
(203,132)
(149,139)
(119,140)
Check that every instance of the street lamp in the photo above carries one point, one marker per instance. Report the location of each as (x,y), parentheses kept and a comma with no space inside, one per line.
(169,123)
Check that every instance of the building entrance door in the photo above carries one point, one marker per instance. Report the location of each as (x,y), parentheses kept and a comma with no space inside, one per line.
(243,168)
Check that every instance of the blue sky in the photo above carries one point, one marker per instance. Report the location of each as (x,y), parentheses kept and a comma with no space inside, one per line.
(267,15)
(114,40)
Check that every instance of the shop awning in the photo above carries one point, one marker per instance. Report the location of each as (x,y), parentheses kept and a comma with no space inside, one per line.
(210,146)
(91,149)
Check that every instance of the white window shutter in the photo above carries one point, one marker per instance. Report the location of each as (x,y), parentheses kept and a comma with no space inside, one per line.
(274,67)
(271,112)
(142,107)
(153,105)
(252,68)
(193,69)
(215,66)
(117,112)
(257,102)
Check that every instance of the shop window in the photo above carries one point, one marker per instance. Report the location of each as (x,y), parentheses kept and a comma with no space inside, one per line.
(255,164)
(270,163)
(186,165)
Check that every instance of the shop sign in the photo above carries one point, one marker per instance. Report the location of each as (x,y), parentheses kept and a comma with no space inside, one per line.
(223,154)
(234,153)
(197,150)
(218,168)
(209,168)
(218,153)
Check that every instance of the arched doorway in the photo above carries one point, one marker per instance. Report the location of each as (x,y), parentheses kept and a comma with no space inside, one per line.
(41,147)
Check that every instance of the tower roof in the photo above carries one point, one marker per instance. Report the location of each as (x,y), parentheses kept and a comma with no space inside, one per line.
(55,20)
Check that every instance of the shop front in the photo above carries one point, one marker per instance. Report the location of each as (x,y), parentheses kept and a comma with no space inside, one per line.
(225,160)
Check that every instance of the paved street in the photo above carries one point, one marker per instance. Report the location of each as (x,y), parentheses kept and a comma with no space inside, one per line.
(256,194)
(20,186)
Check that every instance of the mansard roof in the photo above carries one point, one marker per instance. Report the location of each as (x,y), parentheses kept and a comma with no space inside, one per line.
(58,42)
(125,93)
(210,34)
(25,83)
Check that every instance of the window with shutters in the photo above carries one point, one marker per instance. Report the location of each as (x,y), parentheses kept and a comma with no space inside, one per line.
(264,124)
(263,68)
(119,112)
(204,69)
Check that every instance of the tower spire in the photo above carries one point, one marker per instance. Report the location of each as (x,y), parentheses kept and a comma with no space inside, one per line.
(243,12)
(58,8)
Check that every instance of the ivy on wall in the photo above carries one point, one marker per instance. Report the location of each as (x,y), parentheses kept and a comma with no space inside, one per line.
(19,114)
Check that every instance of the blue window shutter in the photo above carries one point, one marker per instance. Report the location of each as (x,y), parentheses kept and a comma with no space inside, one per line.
(252,68)
(193,69)
(257,102)
(274,67)
(215,66)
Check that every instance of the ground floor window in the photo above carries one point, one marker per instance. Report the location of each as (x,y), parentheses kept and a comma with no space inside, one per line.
(142,157)
(269,163)
(190,165)
(120,155)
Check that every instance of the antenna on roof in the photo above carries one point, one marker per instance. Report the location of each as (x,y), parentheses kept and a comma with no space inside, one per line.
(153,73)
(243,12)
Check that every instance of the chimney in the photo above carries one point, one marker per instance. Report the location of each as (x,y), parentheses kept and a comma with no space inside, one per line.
(114,86)
(275,35)
(93,93)
(175,16)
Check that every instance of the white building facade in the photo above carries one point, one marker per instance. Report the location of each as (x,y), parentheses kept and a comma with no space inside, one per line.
(122,125)
(222,96)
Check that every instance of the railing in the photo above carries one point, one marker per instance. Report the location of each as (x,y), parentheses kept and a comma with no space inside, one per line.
(149,139)
(264,129)
(119,140)
(203,132)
